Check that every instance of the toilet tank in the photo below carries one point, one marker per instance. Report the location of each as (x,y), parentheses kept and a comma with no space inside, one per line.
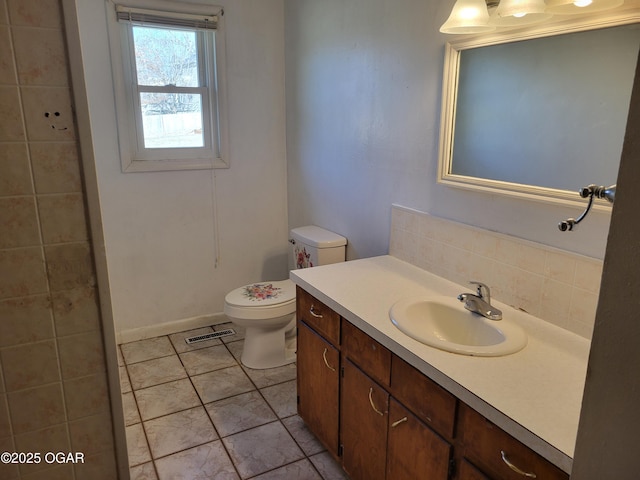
(313,246)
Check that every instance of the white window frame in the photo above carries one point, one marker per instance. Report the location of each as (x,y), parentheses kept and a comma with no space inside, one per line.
(211,60)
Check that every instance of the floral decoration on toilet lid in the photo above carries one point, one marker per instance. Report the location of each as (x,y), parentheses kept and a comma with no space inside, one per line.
(261,291)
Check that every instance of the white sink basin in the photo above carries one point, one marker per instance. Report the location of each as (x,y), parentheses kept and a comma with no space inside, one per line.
(443,322)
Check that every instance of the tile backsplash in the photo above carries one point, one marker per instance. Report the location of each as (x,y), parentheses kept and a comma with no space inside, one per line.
(554,285)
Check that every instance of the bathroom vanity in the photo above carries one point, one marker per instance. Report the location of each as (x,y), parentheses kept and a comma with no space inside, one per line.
(387,406)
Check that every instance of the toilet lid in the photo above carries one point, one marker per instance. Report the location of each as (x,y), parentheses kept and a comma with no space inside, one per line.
(262,294)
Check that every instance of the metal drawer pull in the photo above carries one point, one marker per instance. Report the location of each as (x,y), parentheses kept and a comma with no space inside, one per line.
(514,468)
(372,404)
(398,422)
(317,315)
(324,357)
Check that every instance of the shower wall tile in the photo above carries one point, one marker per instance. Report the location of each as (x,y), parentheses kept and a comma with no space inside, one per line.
(36,408)
(18,222)
(50,439)
(81,354)
(52,368)
(5,427)
(91,435)
(22,272)
(56,167)
(11,119)
(4,19)
(15,176)
(86,396)
(40,56)
(554,285)
(62,218)
(25,320)
(35,13)
(75,311)
(69,266)
(40,107)
(7,67)
(30,365)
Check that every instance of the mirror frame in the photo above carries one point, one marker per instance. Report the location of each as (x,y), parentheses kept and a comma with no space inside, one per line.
(448,111)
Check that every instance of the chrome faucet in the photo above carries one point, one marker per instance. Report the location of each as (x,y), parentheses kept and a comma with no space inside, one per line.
(480,302)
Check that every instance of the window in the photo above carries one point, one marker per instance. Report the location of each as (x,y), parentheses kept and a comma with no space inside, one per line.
(169,78)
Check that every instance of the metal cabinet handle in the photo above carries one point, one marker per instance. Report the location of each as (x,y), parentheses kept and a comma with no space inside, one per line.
(324,357)
(398,422)
(514,468)
(372,404)
(317,315)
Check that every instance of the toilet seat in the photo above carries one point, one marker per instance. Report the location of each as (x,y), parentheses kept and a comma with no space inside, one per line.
(261,300)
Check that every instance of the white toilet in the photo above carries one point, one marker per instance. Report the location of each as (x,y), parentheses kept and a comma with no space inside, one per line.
(267,309)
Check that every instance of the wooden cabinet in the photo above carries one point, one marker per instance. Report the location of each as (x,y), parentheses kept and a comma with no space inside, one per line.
(384,419)
(318,367)
(497,454)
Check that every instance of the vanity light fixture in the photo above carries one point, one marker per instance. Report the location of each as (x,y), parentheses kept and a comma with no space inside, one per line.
(512,13)
(573,7)
(481,16)
(468,16)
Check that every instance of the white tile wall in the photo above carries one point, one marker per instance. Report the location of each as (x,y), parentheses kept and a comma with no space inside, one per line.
(557,286)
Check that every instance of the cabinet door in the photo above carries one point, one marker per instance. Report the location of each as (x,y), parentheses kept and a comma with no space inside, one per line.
(363,425)
(466,471)
(414,450)
(318,367)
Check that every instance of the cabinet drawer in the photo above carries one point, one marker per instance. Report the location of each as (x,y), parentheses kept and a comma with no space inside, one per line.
(491,449)
(318,316)
(373,358)
(430,402)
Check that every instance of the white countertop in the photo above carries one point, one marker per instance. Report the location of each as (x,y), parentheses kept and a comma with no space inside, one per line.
(535,394)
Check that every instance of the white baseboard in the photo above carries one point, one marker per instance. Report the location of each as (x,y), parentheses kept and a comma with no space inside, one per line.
(168,328)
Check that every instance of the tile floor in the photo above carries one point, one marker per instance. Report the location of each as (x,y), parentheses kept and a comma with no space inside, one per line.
(194,412)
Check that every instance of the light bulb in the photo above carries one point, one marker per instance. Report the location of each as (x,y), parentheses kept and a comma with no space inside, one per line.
(582,3)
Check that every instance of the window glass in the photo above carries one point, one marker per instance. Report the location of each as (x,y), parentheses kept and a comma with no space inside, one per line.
(171,120)
(166,57)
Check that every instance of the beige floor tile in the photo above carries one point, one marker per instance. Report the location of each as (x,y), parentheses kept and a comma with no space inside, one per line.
(328,467)
(137,445)
(130,407)
(179,431)
(262,449)
(156,371)
(221,384)
(271,376)
(205,462)
(302,435)
(181,346)
(207,360)
(142,350)
(282,398)
(125,384)
(167,398)
(300,470)
(146,471)
(236,349)
(235,414)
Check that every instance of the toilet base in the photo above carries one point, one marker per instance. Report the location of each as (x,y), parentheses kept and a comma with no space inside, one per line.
(265,348)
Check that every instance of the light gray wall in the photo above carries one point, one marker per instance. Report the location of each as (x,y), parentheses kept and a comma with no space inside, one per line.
(363,87)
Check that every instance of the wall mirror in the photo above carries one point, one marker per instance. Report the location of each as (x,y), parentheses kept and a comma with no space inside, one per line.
(538,114)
